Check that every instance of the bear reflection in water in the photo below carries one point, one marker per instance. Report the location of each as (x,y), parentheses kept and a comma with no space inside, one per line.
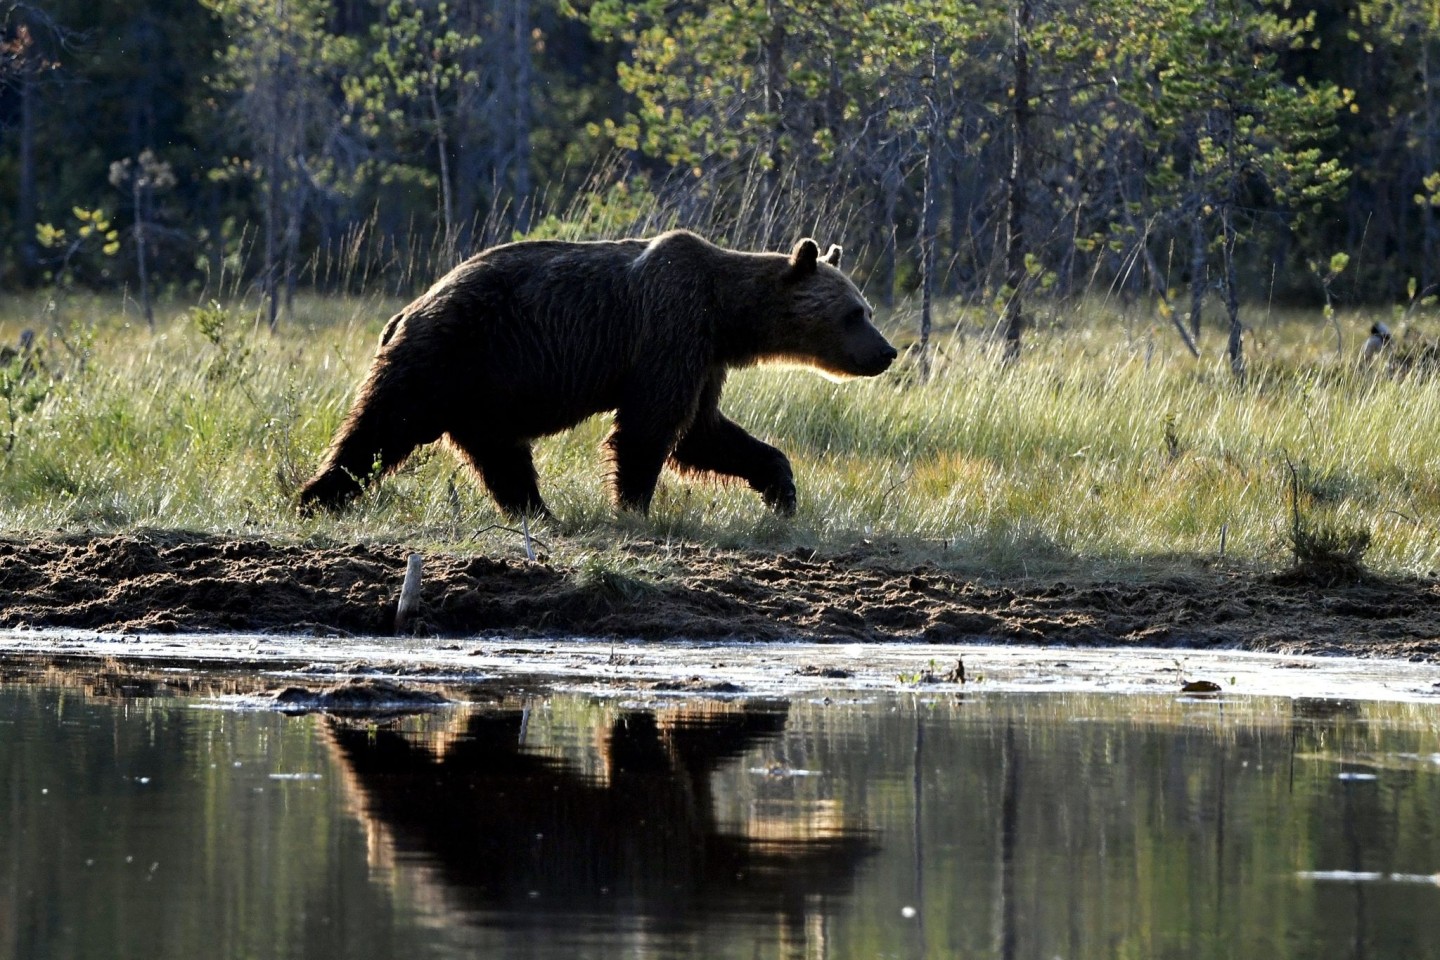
(503,829)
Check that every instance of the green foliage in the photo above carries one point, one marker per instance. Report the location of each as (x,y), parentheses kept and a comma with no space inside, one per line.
(25,384)
(418,57)
(81,250)
(217,325)
(394,134)
(627,208)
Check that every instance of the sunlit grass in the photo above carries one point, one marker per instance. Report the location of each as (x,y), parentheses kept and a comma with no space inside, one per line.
(1106,445)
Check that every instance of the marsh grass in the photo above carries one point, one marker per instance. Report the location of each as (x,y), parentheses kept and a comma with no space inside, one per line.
(1105,447)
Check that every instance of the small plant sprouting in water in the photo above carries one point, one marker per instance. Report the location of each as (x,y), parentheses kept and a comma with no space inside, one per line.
(931,674)
(216,324)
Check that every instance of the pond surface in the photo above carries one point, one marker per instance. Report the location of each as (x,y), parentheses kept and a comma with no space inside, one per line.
(136,824)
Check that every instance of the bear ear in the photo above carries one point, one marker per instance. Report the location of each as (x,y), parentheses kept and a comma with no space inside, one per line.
(833,257)
(804,257)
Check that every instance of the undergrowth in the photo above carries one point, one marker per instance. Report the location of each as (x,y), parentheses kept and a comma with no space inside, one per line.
(1105,445)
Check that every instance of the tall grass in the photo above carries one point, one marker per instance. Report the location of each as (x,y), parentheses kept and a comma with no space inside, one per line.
(1105,445)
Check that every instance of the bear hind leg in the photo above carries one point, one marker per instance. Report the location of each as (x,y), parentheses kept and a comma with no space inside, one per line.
(508,472)
(637,455)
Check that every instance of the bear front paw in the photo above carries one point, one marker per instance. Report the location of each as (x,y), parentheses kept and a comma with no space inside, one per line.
(780,497)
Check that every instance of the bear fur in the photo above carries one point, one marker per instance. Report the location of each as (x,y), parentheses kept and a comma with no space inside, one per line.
(530,338)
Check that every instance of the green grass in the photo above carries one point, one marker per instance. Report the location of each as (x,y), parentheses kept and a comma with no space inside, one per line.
(1105,447)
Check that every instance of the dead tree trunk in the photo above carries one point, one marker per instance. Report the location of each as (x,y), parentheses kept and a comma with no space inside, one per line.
(442,149)
(25,207)
(1232,298)
(137,199)
(522,113)
(930,206)
(1017,206)
(1197,272)
(774,100)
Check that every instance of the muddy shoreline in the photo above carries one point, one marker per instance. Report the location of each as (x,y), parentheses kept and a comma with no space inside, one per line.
(159,583)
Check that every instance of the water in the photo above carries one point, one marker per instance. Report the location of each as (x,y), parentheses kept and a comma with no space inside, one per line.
(138,824)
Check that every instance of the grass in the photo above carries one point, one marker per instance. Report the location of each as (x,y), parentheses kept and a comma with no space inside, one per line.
(1106,447)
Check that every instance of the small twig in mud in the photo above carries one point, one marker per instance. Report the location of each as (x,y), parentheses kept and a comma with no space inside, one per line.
(523,532)
(1180,669)
(904,479)
(409,592)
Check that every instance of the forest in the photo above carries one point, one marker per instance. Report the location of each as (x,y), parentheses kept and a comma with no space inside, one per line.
(1194,153)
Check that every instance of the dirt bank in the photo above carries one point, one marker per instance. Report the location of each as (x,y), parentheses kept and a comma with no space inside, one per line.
(172,582)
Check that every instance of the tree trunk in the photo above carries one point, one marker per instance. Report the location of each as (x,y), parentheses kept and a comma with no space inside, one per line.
(1429,248)
(1020,163)
(930,226)
(26,215)
(1197,272)
(930,210)
(1232,299)
(774,98)
(447,204)
(1157,286)
(891,181)
(274,194)
(294,210)
(522,116)
(502,116)
(137,200)
(272,216)
(474,147)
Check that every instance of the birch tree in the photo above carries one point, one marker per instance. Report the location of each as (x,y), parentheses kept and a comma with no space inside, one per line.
(279,75)
(419,63)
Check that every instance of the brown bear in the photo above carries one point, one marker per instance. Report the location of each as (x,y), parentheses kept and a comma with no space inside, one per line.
(529,338)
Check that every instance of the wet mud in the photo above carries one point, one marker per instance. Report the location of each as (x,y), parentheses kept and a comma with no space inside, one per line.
(163,582)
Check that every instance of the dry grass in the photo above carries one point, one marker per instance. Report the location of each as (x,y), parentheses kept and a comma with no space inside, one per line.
(1106,443)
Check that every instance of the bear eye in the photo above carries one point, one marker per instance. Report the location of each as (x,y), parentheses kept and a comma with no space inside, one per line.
(856,317)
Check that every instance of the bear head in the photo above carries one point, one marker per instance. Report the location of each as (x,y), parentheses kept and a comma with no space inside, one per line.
(826,323)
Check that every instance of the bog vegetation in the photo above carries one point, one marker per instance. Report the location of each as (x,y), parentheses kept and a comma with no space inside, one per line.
(1107,445)
(1131,245)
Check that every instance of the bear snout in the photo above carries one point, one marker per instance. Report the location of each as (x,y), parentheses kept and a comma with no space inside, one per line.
(877,361)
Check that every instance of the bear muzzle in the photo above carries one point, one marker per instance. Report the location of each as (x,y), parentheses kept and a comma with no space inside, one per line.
(875,362)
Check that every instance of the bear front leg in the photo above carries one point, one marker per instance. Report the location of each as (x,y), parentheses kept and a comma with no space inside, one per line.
(508,472)
(718,445)
(386,422)
(389,418)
